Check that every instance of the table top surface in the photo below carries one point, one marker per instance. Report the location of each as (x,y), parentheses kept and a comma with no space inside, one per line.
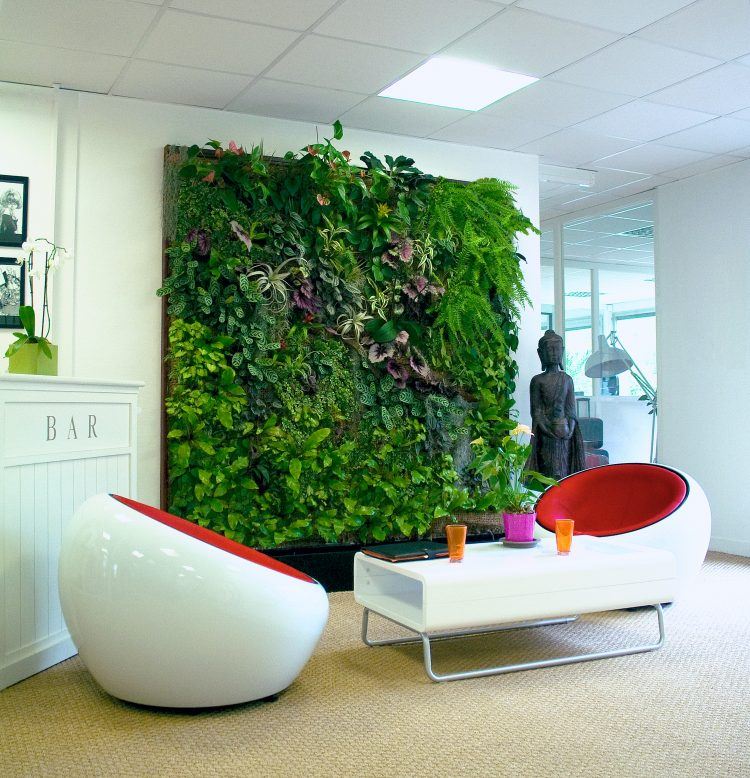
(494,561)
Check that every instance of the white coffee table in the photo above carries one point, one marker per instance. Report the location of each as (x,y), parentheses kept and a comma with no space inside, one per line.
(497,588)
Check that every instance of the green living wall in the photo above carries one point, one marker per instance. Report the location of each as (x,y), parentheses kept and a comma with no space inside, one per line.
(341,342)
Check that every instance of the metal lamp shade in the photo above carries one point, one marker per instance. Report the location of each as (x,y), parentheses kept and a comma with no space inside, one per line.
(607,361)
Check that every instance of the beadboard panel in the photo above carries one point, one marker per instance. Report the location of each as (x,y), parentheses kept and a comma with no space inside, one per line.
(40,488)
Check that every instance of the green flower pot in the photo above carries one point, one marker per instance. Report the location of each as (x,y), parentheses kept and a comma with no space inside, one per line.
(30,359)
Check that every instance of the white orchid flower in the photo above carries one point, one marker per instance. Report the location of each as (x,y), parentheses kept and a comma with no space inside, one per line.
(27,246)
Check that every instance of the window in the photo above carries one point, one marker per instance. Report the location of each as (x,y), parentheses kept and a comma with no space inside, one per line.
(605,278)
(548,282)
(578,326)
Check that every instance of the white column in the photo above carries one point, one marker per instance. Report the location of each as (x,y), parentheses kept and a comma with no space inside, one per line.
(65,171)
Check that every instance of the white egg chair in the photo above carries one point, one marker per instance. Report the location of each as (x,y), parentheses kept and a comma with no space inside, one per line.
(647,504)
(170,614)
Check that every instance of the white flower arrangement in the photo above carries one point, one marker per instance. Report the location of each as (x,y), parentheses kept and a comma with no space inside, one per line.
(42,258)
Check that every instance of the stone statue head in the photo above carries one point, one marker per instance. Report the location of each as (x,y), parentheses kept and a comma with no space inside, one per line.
(550,349)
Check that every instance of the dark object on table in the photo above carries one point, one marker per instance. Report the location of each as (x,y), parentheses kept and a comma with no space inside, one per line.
(557,445)
(592,431)
(407,552)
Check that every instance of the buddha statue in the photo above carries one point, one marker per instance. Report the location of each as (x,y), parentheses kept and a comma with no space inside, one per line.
(557,445)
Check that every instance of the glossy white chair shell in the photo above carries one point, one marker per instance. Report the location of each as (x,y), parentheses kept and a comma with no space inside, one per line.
(164,618)
(686,531)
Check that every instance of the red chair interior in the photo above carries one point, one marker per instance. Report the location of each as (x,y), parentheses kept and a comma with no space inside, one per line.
(613,499)
(213,538)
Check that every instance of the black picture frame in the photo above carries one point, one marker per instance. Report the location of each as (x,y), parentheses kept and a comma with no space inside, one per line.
(14,215)
(12,291)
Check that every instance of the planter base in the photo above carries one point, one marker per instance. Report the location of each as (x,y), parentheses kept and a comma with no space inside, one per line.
(31,360)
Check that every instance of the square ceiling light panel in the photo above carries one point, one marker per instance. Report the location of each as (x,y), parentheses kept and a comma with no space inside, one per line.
(457,83)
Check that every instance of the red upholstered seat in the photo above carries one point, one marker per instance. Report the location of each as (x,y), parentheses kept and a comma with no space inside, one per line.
(613,499)
(213,538)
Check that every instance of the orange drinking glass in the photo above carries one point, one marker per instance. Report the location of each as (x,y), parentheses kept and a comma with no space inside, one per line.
(455,534)
(564,535)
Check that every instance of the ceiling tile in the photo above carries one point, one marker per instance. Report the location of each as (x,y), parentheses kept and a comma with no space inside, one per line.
(548,188)
(619,16)
(45,66)
(724,89)
(529,43)
(704,166)
(413,25)
(609,179)
(575,147)
(555,103)
(175,84)
(717,28)
(635,67)
(281,13)
(294,101)
(103,26)
(651,158)
(617,221)
(565,196)
(401,116)
(744,114)
(716,137)
(641,120)
(636,187)
(481,130)
(216,44)
(356,67)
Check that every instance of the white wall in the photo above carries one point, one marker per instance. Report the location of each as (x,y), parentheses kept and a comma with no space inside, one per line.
(27,149)
(116,318)
(703,293)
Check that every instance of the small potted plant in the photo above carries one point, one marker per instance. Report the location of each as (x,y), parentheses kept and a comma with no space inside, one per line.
(32,353)
(511,485)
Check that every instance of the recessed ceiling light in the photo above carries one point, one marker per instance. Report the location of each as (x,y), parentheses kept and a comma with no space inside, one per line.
(456,83)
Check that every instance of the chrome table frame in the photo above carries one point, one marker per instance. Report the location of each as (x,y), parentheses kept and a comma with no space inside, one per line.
(563,660)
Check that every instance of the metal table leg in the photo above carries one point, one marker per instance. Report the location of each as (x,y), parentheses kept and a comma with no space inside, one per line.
(565,660)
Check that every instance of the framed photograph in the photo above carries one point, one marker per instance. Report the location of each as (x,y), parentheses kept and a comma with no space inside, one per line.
(14,208)
(12,292)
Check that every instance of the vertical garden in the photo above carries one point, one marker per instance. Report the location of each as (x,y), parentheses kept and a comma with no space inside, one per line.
(340,343)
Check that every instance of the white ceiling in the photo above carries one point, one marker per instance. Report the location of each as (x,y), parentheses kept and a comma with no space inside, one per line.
(641,91)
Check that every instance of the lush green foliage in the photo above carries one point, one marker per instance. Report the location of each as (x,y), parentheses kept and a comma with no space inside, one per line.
(510,486)
(27,315)
(339,334)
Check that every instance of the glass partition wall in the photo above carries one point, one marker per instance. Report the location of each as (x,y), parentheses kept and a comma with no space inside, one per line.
(599,292)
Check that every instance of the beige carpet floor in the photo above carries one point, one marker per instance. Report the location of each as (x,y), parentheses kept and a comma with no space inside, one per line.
(357,711)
